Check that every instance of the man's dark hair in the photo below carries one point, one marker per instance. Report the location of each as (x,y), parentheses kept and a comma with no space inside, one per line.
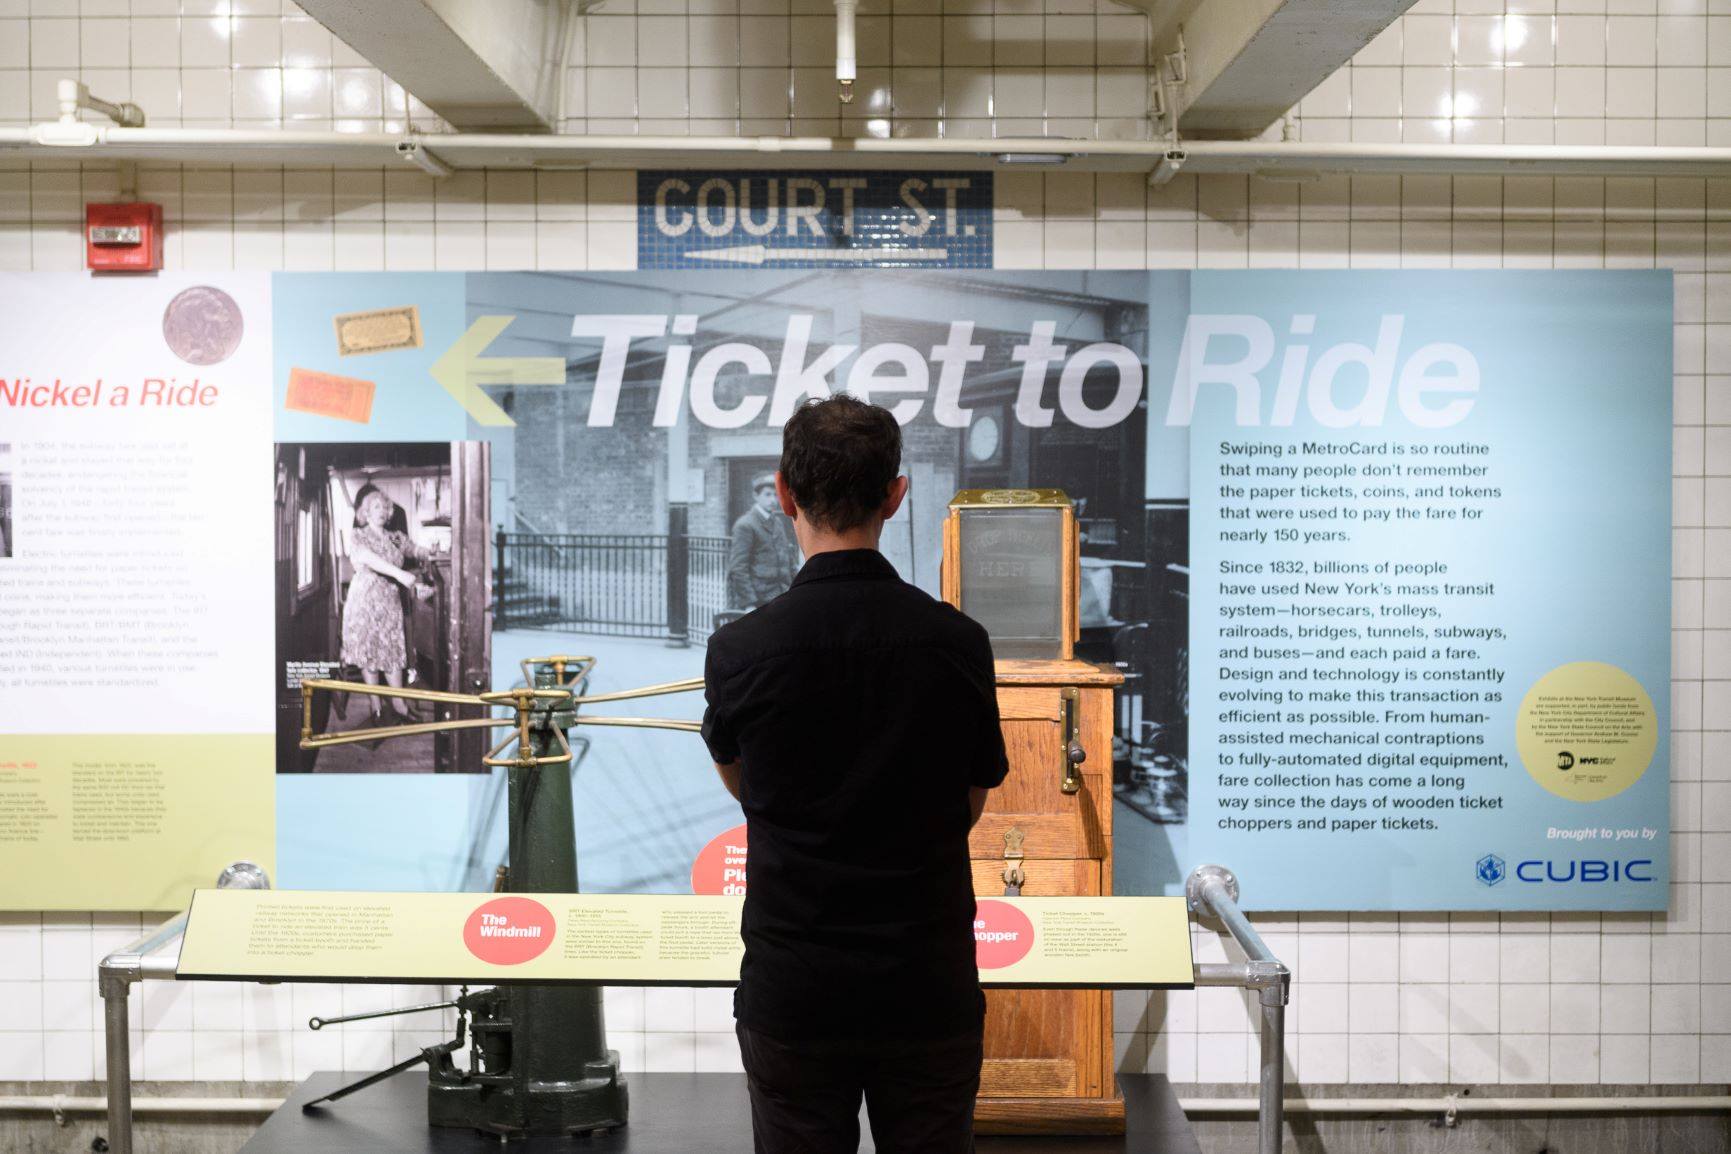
(839,456)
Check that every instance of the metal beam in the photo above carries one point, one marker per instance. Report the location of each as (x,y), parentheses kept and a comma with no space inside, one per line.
(484,64)
(1246,62)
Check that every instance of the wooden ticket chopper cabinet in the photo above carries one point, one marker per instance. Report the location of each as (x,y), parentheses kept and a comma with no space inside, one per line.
(1012,560)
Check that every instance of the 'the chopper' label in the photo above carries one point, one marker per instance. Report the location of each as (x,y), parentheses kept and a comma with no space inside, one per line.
(1003,934)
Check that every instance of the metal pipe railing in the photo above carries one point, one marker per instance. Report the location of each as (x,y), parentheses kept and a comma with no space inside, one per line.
(115,976)
(1212,891)
(1447,1108)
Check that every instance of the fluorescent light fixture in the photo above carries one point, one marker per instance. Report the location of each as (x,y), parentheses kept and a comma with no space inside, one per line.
(1034,158)
(423,159)
(1170,162)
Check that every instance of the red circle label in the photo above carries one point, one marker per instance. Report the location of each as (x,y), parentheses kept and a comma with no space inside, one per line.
(1003,935)
(509,931)
(720,865)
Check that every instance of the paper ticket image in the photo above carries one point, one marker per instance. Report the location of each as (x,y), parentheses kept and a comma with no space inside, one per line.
(378,331)
(328,395)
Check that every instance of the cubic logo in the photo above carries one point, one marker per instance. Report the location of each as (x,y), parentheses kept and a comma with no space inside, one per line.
(1583,871)
(1491,869)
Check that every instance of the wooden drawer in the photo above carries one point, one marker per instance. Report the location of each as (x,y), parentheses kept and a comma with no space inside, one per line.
(1073,833)
(1036,703)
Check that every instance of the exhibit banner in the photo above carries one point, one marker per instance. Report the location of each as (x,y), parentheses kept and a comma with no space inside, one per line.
(603,438)
(637,939)
(135,761)
(1431,649)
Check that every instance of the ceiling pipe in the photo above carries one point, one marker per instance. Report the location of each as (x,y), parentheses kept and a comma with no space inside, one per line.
(73,97)
(846,66)
(1291,160)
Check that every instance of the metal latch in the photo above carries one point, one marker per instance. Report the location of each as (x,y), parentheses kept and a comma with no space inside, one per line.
(1074,754)
(1014,876)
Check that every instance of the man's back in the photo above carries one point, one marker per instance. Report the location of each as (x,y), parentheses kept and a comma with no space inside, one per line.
(862,711)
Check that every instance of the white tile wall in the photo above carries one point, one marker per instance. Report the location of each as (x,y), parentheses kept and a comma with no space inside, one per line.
(202,63)
(703,67)
(1379,997)
(1536,72)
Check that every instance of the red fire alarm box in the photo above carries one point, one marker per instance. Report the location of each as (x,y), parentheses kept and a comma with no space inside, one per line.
(123,237)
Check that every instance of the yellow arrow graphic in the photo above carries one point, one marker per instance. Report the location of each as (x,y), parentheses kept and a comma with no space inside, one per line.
(461,371)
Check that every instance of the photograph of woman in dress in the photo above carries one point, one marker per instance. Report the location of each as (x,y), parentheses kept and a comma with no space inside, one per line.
(383,578)
(374,640)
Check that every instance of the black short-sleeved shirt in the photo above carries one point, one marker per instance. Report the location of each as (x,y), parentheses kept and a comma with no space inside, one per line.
(862,711)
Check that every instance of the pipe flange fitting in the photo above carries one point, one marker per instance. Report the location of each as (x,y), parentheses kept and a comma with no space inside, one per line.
(243,875)
(1196,886)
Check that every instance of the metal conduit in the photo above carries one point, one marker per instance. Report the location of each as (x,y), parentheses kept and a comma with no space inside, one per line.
(439,154)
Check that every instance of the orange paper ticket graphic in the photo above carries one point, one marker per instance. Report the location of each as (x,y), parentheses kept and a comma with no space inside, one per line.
(328,395)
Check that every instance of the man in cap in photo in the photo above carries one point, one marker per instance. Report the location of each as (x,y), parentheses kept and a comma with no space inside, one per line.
(761,560)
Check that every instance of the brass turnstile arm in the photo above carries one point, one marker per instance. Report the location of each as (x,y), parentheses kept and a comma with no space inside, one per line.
(569,671)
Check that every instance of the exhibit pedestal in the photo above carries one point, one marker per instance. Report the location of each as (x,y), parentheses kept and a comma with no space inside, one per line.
(215,941)
(1047,832)
(670,1114)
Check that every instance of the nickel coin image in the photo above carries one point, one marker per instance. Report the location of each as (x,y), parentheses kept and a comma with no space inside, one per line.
(202,325)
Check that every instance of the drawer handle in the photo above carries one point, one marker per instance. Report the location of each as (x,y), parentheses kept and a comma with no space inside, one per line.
(1074,754)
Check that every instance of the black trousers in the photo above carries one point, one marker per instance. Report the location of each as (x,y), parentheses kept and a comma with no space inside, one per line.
(805,1096)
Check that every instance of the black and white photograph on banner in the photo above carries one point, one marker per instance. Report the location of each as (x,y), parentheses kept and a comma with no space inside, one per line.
(632,526)
(381,578)
(6,545)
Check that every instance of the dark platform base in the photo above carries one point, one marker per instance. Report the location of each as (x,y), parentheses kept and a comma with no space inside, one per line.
(670,1114)
(599,1102)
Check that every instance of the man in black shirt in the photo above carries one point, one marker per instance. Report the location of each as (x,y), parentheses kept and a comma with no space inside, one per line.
(856,720)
